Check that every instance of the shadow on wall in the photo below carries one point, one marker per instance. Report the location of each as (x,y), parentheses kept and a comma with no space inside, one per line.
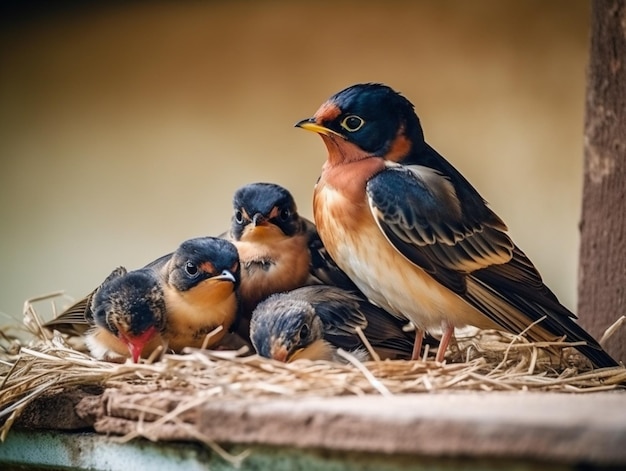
(125,129)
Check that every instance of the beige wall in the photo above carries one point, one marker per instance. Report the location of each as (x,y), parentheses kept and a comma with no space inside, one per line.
(125,130)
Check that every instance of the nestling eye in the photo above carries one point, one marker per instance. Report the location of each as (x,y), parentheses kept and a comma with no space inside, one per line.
(284,214)
(238,217)
(352,123)
(191,269)
(304,332)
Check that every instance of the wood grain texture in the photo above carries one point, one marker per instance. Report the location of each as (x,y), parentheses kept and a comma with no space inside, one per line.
(602,272)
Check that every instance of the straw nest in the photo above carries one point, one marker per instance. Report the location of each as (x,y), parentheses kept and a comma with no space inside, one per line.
(482,361)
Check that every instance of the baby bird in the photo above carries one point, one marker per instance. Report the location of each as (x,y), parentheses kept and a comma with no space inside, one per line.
(312,322)
(128,313)
(279,250)
(174,301)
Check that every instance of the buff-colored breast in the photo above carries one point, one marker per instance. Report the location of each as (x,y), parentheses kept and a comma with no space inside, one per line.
(271,266)
(353,239)
(193,314)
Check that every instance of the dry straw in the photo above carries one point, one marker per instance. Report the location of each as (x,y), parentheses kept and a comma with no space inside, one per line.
(482,361)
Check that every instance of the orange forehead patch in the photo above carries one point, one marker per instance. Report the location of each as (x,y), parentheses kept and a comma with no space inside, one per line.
(327,112)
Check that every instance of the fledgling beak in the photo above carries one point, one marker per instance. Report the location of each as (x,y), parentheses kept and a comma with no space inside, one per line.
(309,124)
(259,220)
(137,343)
(278,351)
(226,275)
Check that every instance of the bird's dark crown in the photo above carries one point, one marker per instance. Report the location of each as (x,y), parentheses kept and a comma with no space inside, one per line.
(132,303)
(201,258)
(371,115)
(262,198)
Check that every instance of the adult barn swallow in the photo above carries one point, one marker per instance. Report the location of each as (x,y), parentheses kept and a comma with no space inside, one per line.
(279,250)
(174,301)
(415,236)
(313,321)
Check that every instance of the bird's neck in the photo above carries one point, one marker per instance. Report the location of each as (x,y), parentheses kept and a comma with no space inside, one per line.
(194,313)
(269,268)
(349,178)
(340,205)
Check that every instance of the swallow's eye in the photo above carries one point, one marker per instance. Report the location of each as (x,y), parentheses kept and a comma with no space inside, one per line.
(284,214)
(304,332)
(191,269)
(352,123)
(239,217)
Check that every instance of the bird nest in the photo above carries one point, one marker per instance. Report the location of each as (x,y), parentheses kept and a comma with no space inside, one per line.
(481,361)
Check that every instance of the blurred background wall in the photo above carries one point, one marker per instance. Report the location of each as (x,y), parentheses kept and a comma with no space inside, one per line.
(125,128)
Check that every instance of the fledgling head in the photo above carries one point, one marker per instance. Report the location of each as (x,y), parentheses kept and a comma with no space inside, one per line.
(203,258)
(373,117)
(282,326)
(132,307)
(262,205)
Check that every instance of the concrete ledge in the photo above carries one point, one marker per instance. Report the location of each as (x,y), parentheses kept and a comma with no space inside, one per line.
(588,428)
(548,428)
(88,451)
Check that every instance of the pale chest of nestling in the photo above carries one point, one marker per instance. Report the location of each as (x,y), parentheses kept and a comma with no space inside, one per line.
(193,314)
(269,266)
